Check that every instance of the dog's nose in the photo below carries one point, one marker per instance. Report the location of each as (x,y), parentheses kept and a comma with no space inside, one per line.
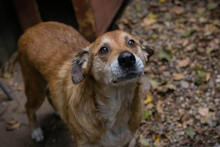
(126,59)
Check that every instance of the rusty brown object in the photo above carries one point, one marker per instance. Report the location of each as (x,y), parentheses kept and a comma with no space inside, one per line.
(95,16)
(28,13)
(85,18)
(104,12)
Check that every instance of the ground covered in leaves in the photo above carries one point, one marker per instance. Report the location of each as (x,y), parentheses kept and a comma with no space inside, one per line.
(183,106)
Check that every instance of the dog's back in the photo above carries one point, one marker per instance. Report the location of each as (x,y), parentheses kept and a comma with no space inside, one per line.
(47,44)
(43,49)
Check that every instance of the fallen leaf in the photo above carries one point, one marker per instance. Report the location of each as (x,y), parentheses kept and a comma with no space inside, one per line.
(147,69)
(187,123)
(162,68)
(148,22)
(187,33)
(208,75)
(165,55)
(154,83)
(148,98)
(170,86)
(147,114)
(154,36)
(184,84)
(165,88)
(10,122)
(151,15)
(184,63)
(201,11)
(203,20)
(12,125)
(190,47)
(138,8)
(156,138)
(178,76)
(190,132)
(144,142)
(212,6)
(159,107)
(201,76)
(185,42)
(178,10)
(204,111)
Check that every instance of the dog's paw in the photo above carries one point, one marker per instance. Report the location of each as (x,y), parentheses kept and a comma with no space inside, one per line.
(37,135)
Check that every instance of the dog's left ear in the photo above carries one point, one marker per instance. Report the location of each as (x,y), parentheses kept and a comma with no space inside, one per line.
(80,66)
(148,52)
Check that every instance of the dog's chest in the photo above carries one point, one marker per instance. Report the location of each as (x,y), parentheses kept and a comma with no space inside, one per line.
(116,114)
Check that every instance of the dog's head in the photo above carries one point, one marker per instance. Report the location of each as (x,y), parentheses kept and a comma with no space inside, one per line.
(113,58)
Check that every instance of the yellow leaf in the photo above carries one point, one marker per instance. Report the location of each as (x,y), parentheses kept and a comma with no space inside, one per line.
(148,98)
(156,138)
(151,15)
(162,1)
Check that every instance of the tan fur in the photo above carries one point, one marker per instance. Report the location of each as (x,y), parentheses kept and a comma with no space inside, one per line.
(46,52)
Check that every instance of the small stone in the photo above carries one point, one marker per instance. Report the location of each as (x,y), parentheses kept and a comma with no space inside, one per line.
(184,84)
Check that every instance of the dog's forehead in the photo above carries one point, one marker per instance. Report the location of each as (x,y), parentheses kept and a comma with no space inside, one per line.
(113,38)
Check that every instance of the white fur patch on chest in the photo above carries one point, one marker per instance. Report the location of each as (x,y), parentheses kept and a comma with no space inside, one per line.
(116,114)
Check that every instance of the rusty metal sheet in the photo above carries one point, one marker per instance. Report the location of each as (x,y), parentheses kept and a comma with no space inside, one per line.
(85,18)
(95,16)
(104,12)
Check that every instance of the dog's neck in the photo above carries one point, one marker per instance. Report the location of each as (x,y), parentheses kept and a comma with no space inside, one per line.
(114,106)
(113,103)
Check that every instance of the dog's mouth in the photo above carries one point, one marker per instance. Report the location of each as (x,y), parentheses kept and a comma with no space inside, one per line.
(128,76)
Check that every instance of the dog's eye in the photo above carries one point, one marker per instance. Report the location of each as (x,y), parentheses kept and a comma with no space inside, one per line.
(103,50)
(131,43)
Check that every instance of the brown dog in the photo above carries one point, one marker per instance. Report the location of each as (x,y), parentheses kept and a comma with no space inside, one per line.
(96,88)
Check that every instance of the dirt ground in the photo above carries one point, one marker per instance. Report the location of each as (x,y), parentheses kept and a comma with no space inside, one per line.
(13,121)
(182,108)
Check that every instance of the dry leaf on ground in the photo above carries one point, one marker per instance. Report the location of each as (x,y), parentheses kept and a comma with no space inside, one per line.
(178,10)
(148,98)
(184,63)
(159,107)
(147,22)
(12,125)
(178,76)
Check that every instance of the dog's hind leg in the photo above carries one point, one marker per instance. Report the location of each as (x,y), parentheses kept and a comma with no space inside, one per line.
(35,90)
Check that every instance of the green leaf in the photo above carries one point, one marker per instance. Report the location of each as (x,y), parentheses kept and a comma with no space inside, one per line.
(154,36)
(151,15)
(170,86)
(154,83)
(190,132)
(187,33)
(138,8)
(165,55)
(147,114)
(212,6)
(201,75)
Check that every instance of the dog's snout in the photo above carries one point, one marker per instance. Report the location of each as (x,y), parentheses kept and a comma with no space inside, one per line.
(126,59)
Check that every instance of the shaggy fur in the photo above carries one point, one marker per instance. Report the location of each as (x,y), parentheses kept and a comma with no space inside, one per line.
(97,111)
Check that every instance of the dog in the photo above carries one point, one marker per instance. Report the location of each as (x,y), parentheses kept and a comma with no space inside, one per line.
(96,88)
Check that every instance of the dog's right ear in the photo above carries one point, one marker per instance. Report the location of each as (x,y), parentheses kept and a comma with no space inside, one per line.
(148,52)
(80,66)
